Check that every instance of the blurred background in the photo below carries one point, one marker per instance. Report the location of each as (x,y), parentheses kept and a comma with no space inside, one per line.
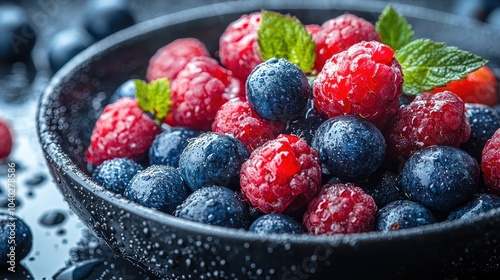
(36,39)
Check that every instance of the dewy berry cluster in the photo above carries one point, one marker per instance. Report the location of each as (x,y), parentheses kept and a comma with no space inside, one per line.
(339,128)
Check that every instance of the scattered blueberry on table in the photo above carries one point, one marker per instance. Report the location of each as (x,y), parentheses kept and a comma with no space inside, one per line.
(67,44)
(17,35)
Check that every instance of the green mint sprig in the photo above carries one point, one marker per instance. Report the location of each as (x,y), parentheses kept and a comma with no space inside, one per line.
(425,64)
(283,36)
(154,98)
(394,29)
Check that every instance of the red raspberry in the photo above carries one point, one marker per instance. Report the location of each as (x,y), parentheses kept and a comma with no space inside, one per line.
(313,28)
(364,80)
(490,163)
(338,34)
(281,176)
(428,120)
(171,59)
(123,130)
(238,119)
(5,140)
(238,46)
(340,209)
(199,91)
(480,86)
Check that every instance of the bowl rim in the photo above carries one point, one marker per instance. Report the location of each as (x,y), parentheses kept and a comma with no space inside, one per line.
(54,154)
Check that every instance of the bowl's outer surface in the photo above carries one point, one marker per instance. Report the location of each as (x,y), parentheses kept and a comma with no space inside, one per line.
(176,249)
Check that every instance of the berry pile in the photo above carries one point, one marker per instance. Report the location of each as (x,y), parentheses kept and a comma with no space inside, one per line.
(327,129)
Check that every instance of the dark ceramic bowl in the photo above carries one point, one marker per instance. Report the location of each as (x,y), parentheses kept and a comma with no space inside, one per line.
(178,249)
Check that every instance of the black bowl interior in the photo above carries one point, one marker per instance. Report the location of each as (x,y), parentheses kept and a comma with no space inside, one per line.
(171,247)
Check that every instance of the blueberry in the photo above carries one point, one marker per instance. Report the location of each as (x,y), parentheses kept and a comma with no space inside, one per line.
(332,180)
(484,121)
(215,205)
(168,145)
(17,36)
(383,187)
(276,223)
(306,124)
(115,174)
(127,89)
(22,238)
(401,214)
(404,100)
(103,18)
(65,45)
(350,147)
(159,186)
(440,177)
(212,159)
(277,90)
(479,204)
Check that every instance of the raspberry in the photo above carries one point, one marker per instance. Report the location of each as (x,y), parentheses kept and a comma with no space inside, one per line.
(172,58)
(338,209)
(5,140)
(428,120)
(364,80)
(281,176)
(338,34)
(490,163)
(198,92)
(123,130)
(313,28)
(238,119)
(480,86)
(238,46)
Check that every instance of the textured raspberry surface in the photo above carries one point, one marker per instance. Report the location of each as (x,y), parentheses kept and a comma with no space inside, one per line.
(5,140)
(281,176)
(490,163)
(237,118)
(198,92)
(428,120)
(364,80)
(340,209)
(339,34)
(238,46)
(313,28)
(123,130)
(480,86)
(172,58)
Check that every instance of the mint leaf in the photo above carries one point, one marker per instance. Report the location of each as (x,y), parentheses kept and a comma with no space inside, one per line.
(283,36)
(154,97)
(393,28)
(427,64)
